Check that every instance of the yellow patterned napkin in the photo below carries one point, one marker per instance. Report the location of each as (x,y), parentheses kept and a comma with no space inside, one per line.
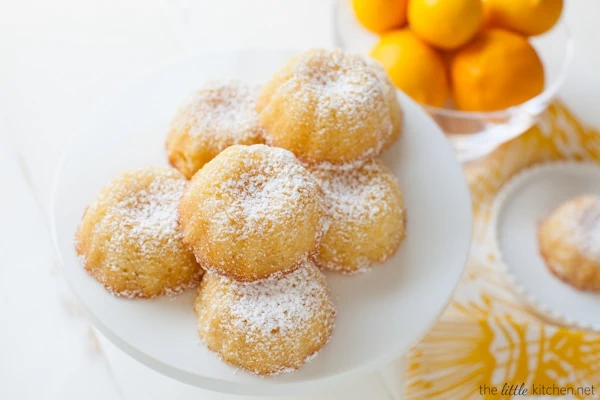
(487,345)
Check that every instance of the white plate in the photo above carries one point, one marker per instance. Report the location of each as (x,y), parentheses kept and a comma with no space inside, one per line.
(380,314)
(518,209)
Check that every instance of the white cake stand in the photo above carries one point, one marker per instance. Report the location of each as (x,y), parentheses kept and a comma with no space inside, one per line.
(380,313)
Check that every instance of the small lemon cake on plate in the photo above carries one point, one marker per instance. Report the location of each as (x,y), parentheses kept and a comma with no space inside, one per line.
(129,238)
(328,105)
(569,240)
(366,216)
(268,327)
(214,117)
(251,212)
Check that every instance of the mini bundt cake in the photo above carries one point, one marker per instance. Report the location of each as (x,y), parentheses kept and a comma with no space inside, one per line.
(366,214)
(129,238)
(251,212)
(327,105)
(218,115)
(569,240)
(267,327)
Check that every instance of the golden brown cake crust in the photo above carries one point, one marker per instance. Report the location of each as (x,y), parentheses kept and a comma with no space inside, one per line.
(251,212)
(366,213)
(327,105)
(214,117)
(266,327)
(129,238)
(569,241)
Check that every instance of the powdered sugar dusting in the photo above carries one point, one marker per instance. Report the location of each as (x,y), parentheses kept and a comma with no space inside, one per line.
(267,327)
(356,202)
(264,196)
(582,219)
(149,216)
(222,112)
(352,195)
(280,305)
(130,239)
(342,82)
(337,102)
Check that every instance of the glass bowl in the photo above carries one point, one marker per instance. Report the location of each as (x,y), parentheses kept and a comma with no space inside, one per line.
(475,134)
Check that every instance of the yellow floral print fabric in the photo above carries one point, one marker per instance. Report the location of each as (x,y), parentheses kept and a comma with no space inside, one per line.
(486,340)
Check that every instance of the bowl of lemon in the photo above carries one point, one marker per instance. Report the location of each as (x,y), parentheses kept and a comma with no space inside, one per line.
(485,70)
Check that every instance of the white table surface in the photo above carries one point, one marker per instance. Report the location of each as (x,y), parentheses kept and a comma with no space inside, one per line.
(58,59)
